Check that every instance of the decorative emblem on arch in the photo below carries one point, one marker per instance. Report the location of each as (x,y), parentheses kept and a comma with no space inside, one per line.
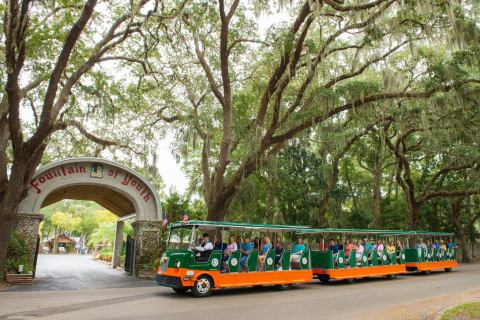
(96,170)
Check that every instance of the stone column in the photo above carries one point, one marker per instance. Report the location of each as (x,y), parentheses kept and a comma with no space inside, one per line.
(26,227)
(149,243)
(118,244)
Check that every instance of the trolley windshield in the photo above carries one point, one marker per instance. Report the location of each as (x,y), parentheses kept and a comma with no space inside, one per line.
(180,237)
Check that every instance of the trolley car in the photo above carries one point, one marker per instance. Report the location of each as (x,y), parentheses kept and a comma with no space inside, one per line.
(182,269)
(328,265)
(427,254)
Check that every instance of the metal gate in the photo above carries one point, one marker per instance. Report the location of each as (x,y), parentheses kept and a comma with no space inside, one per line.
(36,256)
(129,253)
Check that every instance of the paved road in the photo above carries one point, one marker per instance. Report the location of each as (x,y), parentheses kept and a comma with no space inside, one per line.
(76,272)
(408,297)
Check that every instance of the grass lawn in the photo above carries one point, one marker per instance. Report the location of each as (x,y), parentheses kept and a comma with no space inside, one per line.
(467,311)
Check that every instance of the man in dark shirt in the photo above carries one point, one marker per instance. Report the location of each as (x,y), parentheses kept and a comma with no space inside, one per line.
(219,244)
(333,247)
(339,244)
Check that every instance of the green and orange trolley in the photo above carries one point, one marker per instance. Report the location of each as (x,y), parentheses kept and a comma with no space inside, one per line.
(180,270)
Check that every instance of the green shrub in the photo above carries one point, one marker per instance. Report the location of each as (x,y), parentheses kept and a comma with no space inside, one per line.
(18,254)
(105,254)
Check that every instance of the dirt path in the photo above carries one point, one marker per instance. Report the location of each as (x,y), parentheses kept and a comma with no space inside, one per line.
(429,309)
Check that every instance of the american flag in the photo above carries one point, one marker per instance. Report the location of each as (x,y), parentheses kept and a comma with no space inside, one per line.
(185,218)
(165,221)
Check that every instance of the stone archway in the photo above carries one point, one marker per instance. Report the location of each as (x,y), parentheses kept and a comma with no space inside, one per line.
(114,186)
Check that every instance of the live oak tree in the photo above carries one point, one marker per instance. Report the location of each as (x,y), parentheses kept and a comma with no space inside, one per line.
(464,214)
(240,96)
(436,149)
(55,59)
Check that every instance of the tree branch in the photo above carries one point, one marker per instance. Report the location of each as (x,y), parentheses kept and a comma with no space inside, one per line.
(62,125)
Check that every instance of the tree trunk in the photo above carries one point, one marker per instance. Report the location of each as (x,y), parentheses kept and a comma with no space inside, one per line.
(13,193)
(456,205)
(219,209)
(7,224)
(376,195)
(414,209)
(464,247)
(322,221)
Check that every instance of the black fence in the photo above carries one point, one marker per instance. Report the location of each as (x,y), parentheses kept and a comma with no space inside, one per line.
(129,253)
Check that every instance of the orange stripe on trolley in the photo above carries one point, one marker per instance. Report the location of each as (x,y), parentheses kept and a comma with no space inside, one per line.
(432,265)
(350,273)
(237,279)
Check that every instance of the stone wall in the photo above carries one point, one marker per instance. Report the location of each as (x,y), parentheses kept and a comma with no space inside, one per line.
(26,225)
(149,243)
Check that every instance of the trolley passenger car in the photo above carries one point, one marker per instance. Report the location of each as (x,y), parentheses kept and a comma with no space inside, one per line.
(428,253)
(350,264)
(183,269)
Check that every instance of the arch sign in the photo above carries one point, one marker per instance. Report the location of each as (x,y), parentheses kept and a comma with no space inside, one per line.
(112,185)
(115,187)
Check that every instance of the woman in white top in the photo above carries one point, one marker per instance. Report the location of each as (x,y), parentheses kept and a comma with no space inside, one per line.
(359,250)
(380,248)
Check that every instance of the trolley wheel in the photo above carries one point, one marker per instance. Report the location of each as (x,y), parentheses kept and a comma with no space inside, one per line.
(391,276)
(180,290)
(202,287)
(324,278)
(427,272)
(349,281)
(284,287)
(448,269)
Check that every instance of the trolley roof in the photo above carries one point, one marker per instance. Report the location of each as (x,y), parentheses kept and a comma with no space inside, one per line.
(239,226)
(375,232)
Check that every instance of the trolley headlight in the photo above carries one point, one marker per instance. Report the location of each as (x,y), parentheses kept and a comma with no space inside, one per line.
(188,275)
(177,263)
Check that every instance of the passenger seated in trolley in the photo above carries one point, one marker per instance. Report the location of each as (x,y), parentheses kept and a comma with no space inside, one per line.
(278,251)
(399,247)
(349,246)
(358,250)
(367,246)
(219,244)
(339,244)
(245,248)
(263,253)
(429,245)
(203,251)
(391,251)
(333,247)
(379,247)
(451,244)
(297,250)
(231,247)
(443,247)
